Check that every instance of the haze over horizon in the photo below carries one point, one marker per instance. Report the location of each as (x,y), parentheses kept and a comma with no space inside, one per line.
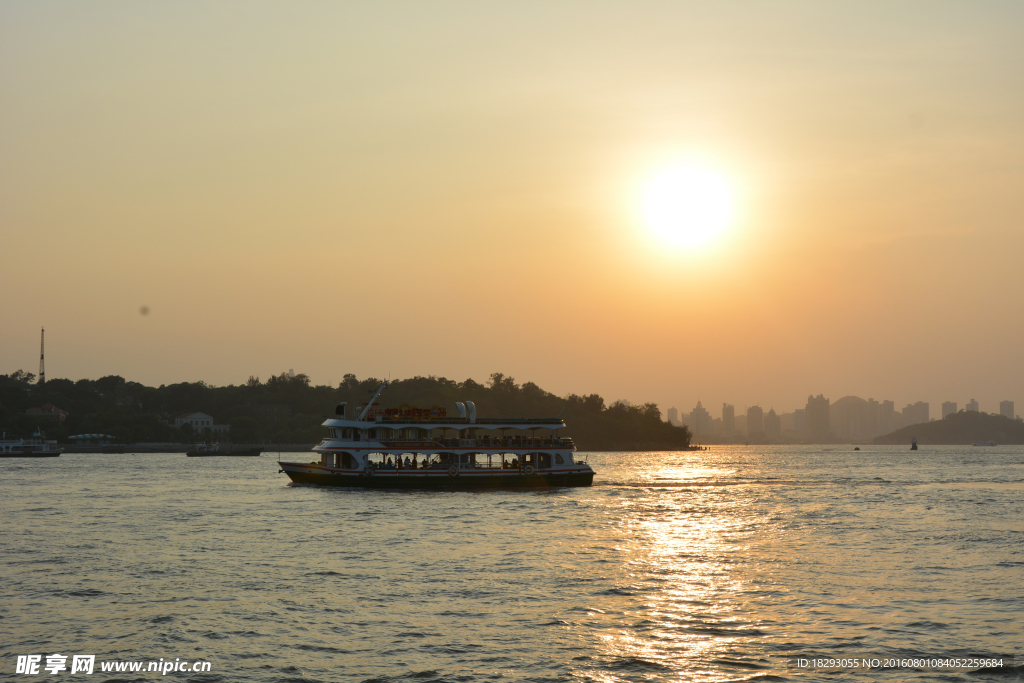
(455,190)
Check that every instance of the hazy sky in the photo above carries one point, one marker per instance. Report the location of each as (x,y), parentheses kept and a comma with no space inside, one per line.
(454,189)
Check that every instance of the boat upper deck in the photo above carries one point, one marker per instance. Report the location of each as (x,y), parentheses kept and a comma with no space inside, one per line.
(521,423)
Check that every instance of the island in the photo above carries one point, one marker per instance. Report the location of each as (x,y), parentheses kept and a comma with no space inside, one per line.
(288,409)
(963,428)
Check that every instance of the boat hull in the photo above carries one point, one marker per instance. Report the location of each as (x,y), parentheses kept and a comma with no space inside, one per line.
(438,480)
(42,454)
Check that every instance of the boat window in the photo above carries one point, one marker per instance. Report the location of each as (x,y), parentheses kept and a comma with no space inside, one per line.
(559,460)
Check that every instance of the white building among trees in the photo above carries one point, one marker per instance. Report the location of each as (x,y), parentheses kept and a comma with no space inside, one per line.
(200,422)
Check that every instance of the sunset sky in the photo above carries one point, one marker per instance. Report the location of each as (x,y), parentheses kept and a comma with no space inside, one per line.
(459,188)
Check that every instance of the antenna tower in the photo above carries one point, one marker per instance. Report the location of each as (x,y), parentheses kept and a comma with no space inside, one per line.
(42,364)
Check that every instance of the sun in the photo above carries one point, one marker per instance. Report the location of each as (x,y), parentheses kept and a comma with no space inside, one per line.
(688,206)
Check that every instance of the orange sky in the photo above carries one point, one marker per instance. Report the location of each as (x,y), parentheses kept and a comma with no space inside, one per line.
(454,189)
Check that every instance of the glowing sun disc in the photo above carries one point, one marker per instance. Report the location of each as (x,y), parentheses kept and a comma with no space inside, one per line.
(688,205)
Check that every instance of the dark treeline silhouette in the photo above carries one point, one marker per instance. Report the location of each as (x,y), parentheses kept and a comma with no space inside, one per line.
(287,409)
(964,427)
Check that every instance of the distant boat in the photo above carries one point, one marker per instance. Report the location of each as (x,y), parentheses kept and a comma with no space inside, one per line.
(35,446)
(985,443)
(913,444)
(213,450)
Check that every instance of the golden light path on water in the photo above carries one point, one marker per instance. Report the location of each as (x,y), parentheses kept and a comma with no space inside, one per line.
(683,552)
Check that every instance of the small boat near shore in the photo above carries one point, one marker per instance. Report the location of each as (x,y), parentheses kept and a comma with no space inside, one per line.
(423,448)
(985,443)
(35,446)
(204,450)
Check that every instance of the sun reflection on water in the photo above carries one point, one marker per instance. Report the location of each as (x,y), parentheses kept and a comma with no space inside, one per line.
(685,571)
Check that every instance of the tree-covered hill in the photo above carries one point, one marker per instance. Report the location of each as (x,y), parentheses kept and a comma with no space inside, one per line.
(290,409)
(964,427)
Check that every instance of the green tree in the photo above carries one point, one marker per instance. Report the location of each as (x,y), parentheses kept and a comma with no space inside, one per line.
(23,377)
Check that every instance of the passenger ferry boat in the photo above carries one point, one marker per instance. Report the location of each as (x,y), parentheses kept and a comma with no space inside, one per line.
(413,448)
(35,446)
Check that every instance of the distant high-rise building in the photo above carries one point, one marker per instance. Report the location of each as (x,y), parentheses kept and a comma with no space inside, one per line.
(878,417)
(851,417)
(915,413)
(700,422)
(973,406)
(816,416)
(673,416)
(799,420)
(755,421)
(1006,409)
(874,417)
(772,425)
(948,408)
(728,419)
(887,417)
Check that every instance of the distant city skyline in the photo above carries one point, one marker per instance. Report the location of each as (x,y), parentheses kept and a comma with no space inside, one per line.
(847,418)
(707,425)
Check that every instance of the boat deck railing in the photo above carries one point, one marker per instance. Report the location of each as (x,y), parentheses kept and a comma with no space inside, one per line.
(485,443)
(506,443)
(463,422)
(493,462)
(443,466)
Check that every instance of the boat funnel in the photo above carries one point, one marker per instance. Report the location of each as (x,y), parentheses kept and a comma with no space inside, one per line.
(340,410)
(472,410)
(462,409)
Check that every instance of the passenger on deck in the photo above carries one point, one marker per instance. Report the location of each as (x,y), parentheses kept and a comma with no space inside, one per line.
(407,461)
(414,463)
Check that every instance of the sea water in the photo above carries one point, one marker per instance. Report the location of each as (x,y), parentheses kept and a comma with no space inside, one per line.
(736,563)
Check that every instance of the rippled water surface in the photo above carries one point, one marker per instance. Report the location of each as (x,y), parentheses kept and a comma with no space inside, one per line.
(722,565)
